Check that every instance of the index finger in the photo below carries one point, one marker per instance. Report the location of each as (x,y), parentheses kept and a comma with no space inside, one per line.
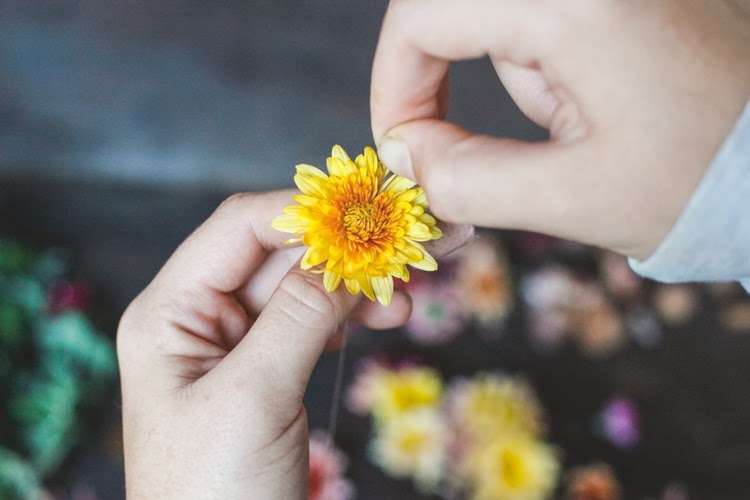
(418,40)
(224,252)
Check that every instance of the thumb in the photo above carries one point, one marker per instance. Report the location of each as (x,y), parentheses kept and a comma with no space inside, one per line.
(492,182)
(281,349)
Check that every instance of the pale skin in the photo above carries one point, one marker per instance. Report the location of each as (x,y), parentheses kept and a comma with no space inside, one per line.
(216,352)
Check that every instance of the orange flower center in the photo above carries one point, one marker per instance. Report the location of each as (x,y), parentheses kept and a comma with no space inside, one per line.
(367,222)
(359,223)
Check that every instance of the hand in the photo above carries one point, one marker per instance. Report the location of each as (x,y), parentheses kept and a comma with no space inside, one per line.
(637,96)
(215,355)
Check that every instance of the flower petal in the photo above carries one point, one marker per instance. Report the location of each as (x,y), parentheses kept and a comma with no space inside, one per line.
(397,184)
(331,280)
(383,288)
(366,286)
(352,286)
(289,224)
(310,185)
(313,256)
(304,168)
(307,201)
(428,263)
(419,231)
(340,153)
(339,167)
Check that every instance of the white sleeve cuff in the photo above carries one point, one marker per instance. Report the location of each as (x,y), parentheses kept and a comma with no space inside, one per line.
(711,239)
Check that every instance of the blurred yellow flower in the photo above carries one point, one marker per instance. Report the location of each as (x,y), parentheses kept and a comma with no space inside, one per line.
(492,405)
(513,468)
(361,224)
(404,390)
(413,445)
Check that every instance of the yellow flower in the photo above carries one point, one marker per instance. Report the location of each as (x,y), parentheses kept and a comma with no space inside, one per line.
(515,468)
(413,445)
(405,390)
(492,405)
(361,225)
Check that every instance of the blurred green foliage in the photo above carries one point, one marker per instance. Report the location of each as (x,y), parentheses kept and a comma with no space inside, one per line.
(54,365)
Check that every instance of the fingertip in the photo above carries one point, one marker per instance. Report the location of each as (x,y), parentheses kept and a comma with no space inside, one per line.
(395,155)
(378,317)
(455,236)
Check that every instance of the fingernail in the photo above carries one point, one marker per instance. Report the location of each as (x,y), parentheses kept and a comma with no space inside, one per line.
(394,153)
(455,237)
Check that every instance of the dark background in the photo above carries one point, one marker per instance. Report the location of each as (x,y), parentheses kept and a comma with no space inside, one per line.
(123,124)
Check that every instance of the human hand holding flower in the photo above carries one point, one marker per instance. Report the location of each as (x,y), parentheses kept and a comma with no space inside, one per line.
(215,355)
(637,97)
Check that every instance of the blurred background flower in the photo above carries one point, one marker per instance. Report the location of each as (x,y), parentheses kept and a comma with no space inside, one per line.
(619,422)
(437,315)
(413,445)
(483,281)
(514,467)
(327,467)
(593,482)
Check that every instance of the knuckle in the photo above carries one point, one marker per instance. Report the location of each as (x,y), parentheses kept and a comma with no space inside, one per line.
(129,325)
(400,16)
(235,202)
(307,302)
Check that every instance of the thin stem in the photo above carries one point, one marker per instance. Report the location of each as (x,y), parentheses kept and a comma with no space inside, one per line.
(338,386)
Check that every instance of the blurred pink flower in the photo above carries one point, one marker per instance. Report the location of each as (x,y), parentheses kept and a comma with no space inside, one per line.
(360,395)
(327,465)
(619,279)
(562,305)
(68,296)
(620,423)
(437,316)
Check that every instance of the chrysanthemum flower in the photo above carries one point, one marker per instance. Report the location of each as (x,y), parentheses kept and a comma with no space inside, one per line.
(413,445)
(404,390)
(437,316)
(483,279)
(515,468)
(491,405)
(326,475)
(361,225)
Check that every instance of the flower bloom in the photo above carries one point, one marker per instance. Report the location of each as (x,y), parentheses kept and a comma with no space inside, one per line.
(620,423)
(593,482)
(68,296)
(562,305)
(437,315)
(413,445)
(404,390)
(492,404)
(513,467)
(360,396)
(361,225)
(484,282)
(327,465)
